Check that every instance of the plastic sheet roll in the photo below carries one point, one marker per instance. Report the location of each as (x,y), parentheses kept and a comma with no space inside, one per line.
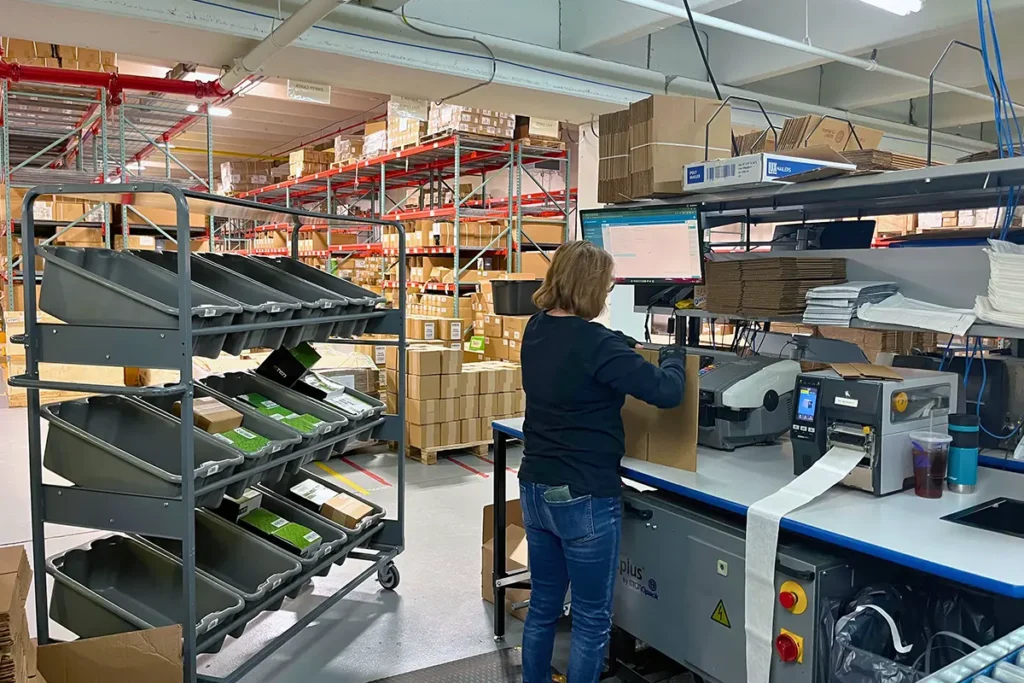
(763,519)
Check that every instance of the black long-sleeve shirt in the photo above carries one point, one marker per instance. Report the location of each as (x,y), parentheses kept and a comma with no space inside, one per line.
(576,375)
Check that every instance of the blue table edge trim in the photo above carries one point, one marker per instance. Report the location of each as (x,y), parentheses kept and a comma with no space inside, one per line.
(927,567)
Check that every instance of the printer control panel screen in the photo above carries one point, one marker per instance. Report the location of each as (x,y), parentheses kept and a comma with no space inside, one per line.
(808,403)
(805,412)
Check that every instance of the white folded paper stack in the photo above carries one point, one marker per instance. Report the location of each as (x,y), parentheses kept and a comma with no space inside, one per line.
(836,305)
(1004,304)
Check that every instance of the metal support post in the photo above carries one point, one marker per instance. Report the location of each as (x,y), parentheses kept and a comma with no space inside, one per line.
(330,210)
(456,274)
(5,175)
(510,259)
(519,207)
(124,178)
(209,172)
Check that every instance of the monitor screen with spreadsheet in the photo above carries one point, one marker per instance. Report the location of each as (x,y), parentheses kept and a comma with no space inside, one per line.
(650,245)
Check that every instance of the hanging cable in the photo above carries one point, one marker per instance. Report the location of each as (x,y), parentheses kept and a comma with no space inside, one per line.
(490,52)
(700,46)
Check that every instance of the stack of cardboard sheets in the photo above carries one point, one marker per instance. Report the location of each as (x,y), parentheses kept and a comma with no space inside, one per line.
(877,160)
(768,286)
(613,184)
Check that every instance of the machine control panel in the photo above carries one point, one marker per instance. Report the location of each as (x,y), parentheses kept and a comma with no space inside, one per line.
(805,409)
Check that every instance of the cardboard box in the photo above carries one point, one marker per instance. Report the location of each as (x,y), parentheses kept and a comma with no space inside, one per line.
(469,381)
(450,385)
(153,655)
(451,329)
(469,407)
(211,415)
(488,405)
(769,168)
(667,437)
(423,436)
(669,132)
(514,351)
(419,387)
(513,326)
(516,555)
(493,326)
(507,403)
(420,360)
(451,361)
(489,379)
(492,348)
(451,433)
(469,431)
(533,127)
(234,508)
(536,262)
(613,179)
(346,510)
(431,412)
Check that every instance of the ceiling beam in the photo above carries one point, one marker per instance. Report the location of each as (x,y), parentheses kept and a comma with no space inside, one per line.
(588,25)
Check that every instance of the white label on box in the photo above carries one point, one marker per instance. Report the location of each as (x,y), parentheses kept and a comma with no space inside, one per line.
(543,128)
(279,522)
(380,355)
(457,330)
(42,211)
(315,493)
(429,331)
(146,241)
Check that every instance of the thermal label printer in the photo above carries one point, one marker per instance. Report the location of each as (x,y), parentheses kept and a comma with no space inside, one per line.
(876,415)
(745,401)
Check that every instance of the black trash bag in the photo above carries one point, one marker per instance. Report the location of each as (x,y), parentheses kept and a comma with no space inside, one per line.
(970,615)
(862,650)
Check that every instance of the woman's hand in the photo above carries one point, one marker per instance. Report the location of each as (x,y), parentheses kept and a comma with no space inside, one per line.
(666,352)
(630,342)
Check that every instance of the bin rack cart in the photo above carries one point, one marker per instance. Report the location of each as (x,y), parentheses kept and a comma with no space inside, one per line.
(170,349)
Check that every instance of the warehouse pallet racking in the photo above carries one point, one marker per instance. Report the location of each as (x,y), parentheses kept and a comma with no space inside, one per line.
(163,348)
(433,169)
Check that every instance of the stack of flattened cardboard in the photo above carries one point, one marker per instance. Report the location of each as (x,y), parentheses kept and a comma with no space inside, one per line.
(769,286)
(613,158)
(667,133)
(755,142)
(877,160)
(816,131)
(15,645)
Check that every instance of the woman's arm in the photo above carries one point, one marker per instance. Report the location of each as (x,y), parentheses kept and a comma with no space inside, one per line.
(624,370)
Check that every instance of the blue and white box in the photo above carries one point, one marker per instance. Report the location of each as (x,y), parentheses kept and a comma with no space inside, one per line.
(767,168)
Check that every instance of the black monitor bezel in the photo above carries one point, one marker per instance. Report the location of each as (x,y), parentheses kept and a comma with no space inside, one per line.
(656,207)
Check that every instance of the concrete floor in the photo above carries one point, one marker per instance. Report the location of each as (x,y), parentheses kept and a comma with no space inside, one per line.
(436,615)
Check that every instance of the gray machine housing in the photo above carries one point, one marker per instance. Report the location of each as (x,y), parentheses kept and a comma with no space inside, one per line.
(745,401)
(874,415)
(677,562)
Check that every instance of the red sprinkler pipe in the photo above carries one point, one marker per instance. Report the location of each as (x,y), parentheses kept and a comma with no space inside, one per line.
(114,83)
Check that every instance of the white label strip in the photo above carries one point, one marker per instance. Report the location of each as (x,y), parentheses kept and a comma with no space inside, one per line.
(763,519)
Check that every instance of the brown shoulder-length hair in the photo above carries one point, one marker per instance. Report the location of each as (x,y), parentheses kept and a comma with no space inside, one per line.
(578,280)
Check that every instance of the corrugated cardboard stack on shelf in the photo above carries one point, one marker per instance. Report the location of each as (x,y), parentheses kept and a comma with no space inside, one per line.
(16,649)
(347,148)
(874,342)
(375,139)
(771,286)
(308,161)
(449,331)
(407,122)
(613,158)
(826,131)
(241,176)
(544,132)
(30,53)
(454,118)
(667,133)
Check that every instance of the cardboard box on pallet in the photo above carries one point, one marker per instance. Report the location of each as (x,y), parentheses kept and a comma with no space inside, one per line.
(407,121)
(470,431)
(538,129)
(456,118)
(431,412)
(434,435)
(488,405)
(669,132)
(469,406)
(347,148)
(419,387)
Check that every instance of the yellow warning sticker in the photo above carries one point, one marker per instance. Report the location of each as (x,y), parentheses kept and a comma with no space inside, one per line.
(720,616)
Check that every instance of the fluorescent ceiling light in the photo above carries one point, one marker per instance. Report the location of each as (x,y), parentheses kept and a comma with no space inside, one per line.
(214,111)
(900,7)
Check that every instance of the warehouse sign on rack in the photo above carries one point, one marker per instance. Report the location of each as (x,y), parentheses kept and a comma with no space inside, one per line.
(309,92)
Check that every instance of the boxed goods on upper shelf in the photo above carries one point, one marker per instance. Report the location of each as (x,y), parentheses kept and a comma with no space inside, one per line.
(375,138)
(29,53)
(240,176)
(533,128)
(308,161)
(347,148)
(407,122)
(453,118)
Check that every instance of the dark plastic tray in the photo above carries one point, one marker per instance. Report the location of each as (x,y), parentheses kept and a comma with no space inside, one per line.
(118,584)
(282,487)
(236,558)
(112,443)
(260,304)
(231,385)
(283,439)
(515,297)
(111,288)
(321,303)
(357,417)
(334,536)
(360,300)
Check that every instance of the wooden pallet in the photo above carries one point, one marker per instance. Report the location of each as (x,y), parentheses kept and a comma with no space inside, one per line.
(542,142)
(428,456)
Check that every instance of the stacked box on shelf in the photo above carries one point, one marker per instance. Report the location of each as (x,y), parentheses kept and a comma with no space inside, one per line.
(375,139)
(613,184)
(538,130)
(271,239)
(449,331)
(30,53)
(768,286)
(241,176)
(539,231)
(874,342)
(347,149)
(454,118)
(407,122)
(308,161)
(495,388)
(503,335)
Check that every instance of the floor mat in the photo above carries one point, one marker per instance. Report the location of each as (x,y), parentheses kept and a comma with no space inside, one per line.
(503,666)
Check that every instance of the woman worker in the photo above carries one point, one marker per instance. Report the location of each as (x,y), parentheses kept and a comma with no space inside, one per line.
(576,374)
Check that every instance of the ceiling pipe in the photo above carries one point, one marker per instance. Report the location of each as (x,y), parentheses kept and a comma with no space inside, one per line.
(114,83)
(294,26)
(765,37)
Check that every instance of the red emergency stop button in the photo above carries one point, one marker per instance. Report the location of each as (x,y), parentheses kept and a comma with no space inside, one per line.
(788,599)
(787,647)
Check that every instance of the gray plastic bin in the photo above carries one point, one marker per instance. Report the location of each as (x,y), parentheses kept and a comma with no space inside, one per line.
(320,302)
(283,439)
(118,584)
(334,536)
(360,410)
(360,300)
(260,304)
(112,443)
(282,488)
(114,289)
(233,384)
(231,555)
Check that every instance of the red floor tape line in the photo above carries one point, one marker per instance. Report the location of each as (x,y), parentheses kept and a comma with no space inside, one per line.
(371,475)
(488,460)
(467,467)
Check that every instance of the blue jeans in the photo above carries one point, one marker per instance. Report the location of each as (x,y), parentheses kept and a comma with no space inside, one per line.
(571,542)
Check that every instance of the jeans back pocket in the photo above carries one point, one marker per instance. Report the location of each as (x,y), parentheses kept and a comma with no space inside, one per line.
(572,520)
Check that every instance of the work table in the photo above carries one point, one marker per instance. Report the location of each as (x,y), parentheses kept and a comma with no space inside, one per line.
(901,528)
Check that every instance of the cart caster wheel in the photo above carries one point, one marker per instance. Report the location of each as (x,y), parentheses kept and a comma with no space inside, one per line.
(388,577)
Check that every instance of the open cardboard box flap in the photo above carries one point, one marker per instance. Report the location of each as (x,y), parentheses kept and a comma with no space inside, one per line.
(152,656)
(866,371)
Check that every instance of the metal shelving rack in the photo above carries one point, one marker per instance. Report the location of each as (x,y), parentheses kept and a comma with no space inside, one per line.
(171,349)
(436,166)
(73,134)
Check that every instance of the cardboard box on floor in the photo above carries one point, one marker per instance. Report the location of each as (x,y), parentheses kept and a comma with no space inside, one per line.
(666,437)
(153,656)
(515,554)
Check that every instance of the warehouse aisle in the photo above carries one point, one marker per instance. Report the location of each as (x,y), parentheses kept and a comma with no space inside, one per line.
(436,615)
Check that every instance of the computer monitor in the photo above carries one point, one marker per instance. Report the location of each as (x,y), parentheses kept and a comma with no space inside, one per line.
(650,245)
